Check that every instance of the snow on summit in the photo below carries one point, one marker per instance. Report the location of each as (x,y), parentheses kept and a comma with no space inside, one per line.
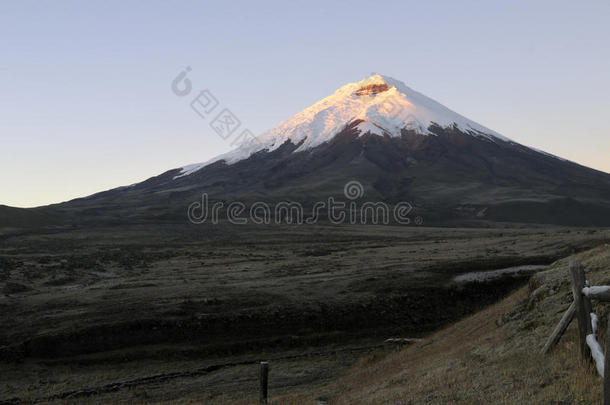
(383,104)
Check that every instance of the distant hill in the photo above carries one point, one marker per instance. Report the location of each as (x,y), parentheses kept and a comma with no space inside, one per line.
(12,217)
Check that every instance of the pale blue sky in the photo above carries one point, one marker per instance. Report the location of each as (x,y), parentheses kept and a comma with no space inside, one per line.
(86,105)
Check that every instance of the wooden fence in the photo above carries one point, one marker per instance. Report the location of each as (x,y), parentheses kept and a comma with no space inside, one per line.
(581,308)
(263,378)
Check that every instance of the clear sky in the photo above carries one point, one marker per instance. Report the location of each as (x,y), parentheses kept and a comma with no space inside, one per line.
(86,105)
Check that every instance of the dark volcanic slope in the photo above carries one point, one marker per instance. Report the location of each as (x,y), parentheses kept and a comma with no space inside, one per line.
(451,177)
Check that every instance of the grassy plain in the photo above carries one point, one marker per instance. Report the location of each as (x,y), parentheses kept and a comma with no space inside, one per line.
(139,314)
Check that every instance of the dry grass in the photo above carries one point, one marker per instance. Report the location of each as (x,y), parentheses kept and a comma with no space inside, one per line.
(491,357)
(474,362)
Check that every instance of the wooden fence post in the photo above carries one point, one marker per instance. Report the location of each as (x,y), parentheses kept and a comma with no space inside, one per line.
(607,367)
(264,381)
(583,307)
(561,327)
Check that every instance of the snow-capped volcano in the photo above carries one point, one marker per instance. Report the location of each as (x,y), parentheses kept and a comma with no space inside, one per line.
(399,145)
(382,106)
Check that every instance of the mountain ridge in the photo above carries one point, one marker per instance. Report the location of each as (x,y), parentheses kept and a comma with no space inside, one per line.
(384,106)
(454,172)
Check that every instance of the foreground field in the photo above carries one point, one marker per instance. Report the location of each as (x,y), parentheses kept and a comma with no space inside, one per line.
(491,357)
(174,313)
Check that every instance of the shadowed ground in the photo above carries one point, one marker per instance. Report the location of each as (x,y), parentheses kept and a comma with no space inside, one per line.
(170,312)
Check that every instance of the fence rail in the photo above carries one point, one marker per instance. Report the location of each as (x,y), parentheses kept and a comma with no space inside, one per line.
(588,321)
